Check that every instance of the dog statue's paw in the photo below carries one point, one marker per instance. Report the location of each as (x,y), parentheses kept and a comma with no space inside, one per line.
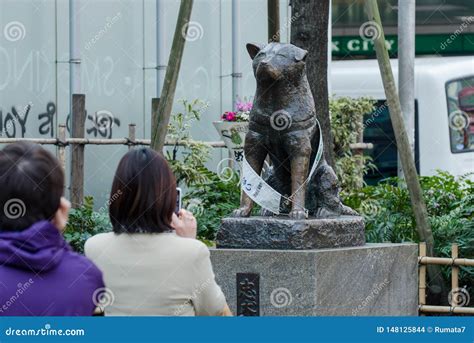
(324,212)
(346,210)
(298,214)
(242,212)
(265,213)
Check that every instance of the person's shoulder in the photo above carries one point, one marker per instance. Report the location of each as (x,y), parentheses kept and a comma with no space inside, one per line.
(96,243)
(192,247)
(82,267)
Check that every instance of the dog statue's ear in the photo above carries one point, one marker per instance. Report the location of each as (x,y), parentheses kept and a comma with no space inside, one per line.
(300,54)
(253,49)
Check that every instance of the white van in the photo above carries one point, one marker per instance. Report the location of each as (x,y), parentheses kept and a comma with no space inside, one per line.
(444,113)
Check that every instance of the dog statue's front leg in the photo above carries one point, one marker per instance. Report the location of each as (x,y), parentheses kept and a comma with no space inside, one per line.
(255,154)
(299,172)
(246,205)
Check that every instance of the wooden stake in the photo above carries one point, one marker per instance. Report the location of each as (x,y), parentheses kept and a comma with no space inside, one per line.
(131,134)
(78,120)
(61,146)
(155,122)
(408,164)
(171,77)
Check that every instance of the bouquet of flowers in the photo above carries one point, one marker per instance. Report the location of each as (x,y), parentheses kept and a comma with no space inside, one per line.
(242,113)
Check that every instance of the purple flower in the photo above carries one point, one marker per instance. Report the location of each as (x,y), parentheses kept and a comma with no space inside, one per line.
(243,106)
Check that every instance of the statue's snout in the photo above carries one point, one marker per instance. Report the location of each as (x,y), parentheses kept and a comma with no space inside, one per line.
(266,70)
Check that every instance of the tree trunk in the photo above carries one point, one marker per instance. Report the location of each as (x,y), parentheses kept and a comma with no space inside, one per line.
(406,157)
(309,30)
(273,9)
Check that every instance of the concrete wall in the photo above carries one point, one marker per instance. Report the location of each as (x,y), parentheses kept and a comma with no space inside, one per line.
(116,41)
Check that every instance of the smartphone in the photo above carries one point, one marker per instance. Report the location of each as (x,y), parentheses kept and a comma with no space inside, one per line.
(178,200)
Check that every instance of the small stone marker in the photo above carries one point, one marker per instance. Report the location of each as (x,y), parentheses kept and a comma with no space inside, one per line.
(248,294)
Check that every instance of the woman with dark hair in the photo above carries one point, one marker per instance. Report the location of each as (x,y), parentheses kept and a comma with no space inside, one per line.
(152,263)
(39,274)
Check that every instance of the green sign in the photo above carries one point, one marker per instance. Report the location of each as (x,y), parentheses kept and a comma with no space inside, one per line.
(443,44)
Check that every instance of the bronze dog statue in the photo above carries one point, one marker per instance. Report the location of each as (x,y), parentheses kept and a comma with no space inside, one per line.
(283,126)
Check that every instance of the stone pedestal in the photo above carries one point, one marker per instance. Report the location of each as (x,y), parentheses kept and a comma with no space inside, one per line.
(371,280)
(286,233)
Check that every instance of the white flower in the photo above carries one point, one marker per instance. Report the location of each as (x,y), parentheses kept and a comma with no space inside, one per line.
(245,115)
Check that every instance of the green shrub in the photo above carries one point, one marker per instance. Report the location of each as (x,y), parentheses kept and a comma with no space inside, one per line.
(450,204)
(84,222)
(187,157)
(347,116)
(212,201)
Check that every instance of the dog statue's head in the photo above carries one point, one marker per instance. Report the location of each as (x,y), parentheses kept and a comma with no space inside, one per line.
(274,61)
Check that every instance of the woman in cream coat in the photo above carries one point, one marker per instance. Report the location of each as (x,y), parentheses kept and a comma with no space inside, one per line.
(152,262)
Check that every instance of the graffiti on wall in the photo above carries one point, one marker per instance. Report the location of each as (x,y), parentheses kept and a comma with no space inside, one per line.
(13,123)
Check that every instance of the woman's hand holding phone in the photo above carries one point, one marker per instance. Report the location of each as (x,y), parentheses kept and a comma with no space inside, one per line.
(184,224)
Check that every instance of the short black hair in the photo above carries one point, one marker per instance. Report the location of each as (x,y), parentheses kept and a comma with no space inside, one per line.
(143,196)
(31,185)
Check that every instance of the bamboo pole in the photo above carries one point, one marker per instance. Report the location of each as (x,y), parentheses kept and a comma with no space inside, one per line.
(446,309)
(454,275)
(124,141)
(273,22)
(43,141)
(94,141)
(132,135)
(408,164)
(171,77)
(422,276)
(445,261)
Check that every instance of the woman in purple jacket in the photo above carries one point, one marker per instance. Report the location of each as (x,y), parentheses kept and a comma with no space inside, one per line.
(39,273)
